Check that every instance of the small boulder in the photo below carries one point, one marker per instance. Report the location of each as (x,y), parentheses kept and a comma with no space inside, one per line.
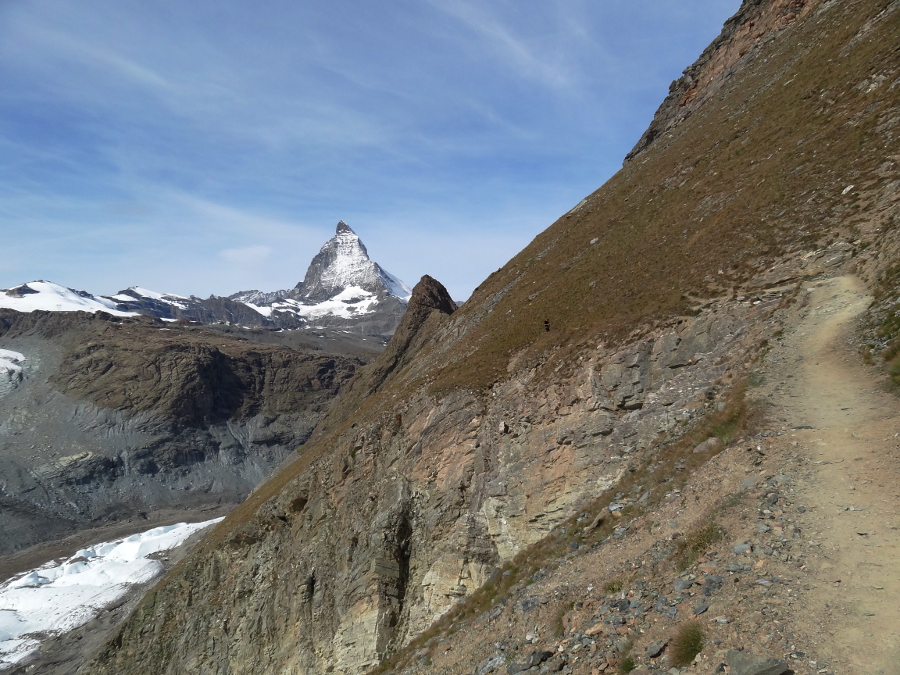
(711,584)
(656,648)
(745,663)
(555,663)
(522,664)
(491,664)
(596,522)
(710,444)
(682,585)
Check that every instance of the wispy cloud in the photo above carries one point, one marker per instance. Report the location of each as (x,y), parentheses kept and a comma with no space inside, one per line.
(66,46)
(542,63)
(248,255)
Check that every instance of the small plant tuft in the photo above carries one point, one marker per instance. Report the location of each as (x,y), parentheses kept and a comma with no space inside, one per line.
(626,662)
(613,586)
(559,619)
(695,543)
(626,665)
(687,643)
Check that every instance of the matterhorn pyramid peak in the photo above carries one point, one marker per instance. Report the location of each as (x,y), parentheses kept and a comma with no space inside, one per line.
(343,263)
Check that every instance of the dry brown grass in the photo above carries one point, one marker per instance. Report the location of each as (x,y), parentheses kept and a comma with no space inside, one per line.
(696,542)
(687,643)
(755,178)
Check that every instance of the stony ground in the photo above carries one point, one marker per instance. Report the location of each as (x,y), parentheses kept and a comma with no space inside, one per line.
(799,568)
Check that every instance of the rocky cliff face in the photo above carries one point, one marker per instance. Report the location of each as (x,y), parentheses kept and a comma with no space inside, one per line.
(412,508)
(111,417)
(478,433)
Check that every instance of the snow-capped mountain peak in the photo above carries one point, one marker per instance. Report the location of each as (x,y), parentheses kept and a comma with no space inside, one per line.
(343,288)
(343,262)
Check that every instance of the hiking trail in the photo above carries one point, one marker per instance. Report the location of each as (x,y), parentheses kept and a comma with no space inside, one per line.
(846,428)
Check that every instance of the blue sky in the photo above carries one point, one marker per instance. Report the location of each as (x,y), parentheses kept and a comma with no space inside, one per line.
(207,147)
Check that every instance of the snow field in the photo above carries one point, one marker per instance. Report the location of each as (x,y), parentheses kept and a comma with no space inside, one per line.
(59,597)
(350,302)
(55,298)
(9,361)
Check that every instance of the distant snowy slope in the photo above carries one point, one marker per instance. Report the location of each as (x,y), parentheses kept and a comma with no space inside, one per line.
(45,295)
(349,303)
(9,361)
(61,596)
(10,370)
(137,293)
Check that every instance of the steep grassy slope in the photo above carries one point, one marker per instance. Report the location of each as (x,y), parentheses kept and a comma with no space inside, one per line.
(482,433)
(757,172)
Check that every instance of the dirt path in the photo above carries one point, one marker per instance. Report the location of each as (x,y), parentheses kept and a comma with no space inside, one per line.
(851,607)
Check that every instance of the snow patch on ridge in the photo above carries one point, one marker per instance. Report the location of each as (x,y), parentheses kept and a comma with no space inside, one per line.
(153,294)
(47,296)
(394,285)
(349,303)
(9,361)
(59,597)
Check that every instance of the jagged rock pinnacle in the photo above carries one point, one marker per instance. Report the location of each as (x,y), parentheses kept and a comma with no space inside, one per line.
(430,293)
(343,227)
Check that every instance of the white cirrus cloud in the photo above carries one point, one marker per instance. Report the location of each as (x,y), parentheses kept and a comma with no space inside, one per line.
(248,255)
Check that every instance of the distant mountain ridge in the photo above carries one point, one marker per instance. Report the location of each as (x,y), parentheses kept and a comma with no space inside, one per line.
(342,289)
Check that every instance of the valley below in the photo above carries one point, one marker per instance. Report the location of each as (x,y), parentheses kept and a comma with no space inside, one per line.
(109,419)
